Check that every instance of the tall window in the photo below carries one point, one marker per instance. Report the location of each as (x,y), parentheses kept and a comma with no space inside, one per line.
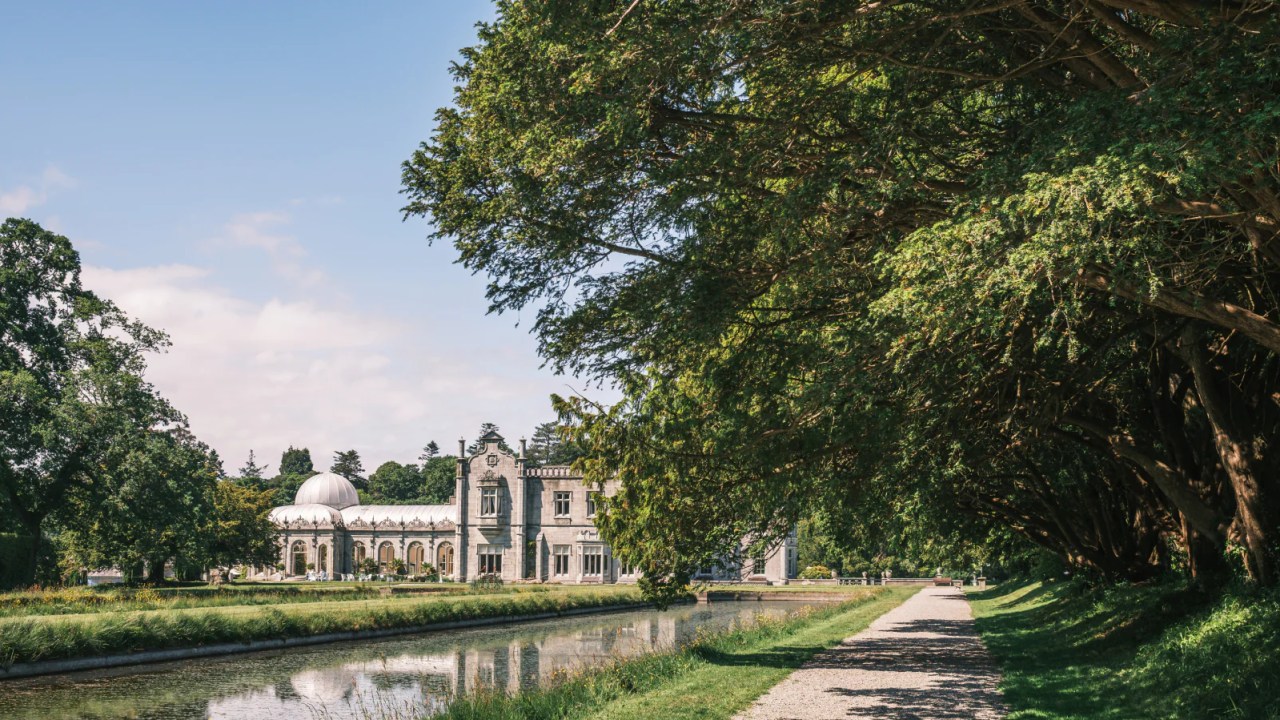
(386,555)
(757,565)
(489,501)
(298,556)
(444,559)
(416,555)
(562,504)
(357,553)
(490,559)
(592,560)
(591,503)
(322,559)
(560,554)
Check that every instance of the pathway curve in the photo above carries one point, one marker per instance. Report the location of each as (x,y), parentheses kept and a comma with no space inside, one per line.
(922,660)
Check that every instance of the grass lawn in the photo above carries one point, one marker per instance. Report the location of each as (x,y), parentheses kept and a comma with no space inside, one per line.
(716,677)
(1155,651)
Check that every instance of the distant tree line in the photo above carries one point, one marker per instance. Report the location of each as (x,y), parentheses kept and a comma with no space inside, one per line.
(430,481)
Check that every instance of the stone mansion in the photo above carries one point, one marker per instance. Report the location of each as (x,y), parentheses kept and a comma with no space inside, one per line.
(505,518)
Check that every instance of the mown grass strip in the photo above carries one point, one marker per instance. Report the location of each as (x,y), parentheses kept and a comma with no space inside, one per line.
(1129,651)
(33,640)
(714,677)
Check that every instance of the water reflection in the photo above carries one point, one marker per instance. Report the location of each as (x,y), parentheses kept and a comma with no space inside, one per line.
(402,677)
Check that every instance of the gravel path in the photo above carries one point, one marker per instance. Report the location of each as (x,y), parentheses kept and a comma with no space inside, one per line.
(922,660)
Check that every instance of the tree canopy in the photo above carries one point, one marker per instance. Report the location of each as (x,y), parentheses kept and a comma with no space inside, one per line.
(548,447)
(296,461)
(73,401)
(347,464)
(1014,259)
(477,445)
(90,453)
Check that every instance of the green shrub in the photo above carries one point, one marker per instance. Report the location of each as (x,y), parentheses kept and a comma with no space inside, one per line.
(815,572)
(490,582)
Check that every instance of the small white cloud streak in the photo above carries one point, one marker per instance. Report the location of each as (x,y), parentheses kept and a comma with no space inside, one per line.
(259,231)
(25,197)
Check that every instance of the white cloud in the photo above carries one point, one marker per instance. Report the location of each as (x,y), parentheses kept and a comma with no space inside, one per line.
(27,196)
(304,371)
(260,231)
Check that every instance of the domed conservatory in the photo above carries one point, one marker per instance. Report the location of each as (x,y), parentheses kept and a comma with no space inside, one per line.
(505,518)
(326,533)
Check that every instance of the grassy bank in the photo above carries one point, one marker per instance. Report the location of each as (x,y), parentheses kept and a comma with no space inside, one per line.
(1161,651)
(714,677)
(82,600)
(55,637)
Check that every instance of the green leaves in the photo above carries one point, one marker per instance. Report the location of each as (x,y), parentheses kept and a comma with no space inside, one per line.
(886,261)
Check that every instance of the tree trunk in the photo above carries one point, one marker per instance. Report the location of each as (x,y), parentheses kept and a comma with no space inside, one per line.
(1169,480)
(155,571)
(1252,506)
(1214,311)
(31,526)
(1205,560)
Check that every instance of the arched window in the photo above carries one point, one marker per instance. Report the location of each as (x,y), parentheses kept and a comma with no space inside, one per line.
(298,556)
(386,554)
(322,559)
(416,557)
(444,559)
(357,554)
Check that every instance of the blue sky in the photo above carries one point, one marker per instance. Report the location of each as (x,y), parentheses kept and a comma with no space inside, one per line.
(230,173)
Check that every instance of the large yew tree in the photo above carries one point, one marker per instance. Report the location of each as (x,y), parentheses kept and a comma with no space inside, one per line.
(1012,257)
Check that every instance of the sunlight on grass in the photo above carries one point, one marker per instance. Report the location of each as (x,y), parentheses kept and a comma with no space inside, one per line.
(1154,651)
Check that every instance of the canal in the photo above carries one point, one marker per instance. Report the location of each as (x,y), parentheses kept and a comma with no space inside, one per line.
(400,677)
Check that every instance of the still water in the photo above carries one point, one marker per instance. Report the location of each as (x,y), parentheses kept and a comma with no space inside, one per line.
(394,678)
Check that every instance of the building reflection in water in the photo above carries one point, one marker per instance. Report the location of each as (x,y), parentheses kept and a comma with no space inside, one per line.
(428,682)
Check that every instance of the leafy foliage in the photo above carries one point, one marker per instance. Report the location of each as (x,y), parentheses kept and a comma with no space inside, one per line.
(347,464)
(892,261)
(548,447)
(144,509)
(478,444)
(296,461)
(73,402)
